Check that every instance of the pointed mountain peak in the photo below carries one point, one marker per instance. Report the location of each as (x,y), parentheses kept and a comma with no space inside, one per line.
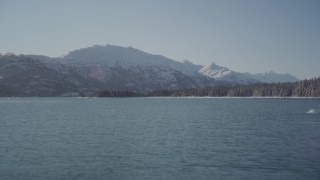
(214,66)
(214,71)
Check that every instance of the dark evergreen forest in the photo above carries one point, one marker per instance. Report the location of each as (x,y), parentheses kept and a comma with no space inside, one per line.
(305,88)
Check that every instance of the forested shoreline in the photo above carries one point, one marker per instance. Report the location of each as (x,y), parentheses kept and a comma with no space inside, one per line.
(305,88)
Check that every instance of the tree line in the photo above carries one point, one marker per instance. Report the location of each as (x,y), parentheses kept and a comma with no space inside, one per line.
(107,93)
(305,88)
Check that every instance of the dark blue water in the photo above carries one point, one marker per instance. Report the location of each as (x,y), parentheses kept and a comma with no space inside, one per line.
(159,138)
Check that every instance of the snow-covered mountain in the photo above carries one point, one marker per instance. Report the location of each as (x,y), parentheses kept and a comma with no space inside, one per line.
(24,76)
(131,69)
(116,56)
(214,71)
(271,77)
(112,68)
(224,74)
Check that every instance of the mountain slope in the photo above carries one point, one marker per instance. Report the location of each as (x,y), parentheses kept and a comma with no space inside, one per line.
(224,74)
(131,69)
(29,75)
(214,71)
(271,77)
(88,70)
(21,76)
(116,56)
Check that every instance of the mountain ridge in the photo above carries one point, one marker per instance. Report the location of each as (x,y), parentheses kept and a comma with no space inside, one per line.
(116,68)
(187,67)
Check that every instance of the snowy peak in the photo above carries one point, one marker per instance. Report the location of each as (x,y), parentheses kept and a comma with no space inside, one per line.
(109,67)
(271,77)
(128,57)
(215,66)
(214,71)
(224,74)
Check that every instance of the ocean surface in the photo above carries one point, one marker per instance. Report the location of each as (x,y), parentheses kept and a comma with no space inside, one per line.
(159,138)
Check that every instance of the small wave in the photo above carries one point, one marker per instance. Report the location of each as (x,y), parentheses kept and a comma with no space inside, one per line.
(313,111)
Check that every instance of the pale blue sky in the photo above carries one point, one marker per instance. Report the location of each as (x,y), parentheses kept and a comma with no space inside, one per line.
(244,35)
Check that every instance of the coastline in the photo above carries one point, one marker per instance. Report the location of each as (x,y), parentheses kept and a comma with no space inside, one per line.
(171,97)
(231,97)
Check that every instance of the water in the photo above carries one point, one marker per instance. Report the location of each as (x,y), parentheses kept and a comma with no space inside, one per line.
(159,138)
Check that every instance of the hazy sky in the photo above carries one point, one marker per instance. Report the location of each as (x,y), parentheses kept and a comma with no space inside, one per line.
(243,35)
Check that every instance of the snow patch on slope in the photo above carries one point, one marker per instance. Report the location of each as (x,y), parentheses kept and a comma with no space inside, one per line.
(214,71)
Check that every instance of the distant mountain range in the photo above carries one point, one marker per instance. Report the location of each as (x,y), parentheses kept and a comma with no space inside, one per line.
(90,70)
